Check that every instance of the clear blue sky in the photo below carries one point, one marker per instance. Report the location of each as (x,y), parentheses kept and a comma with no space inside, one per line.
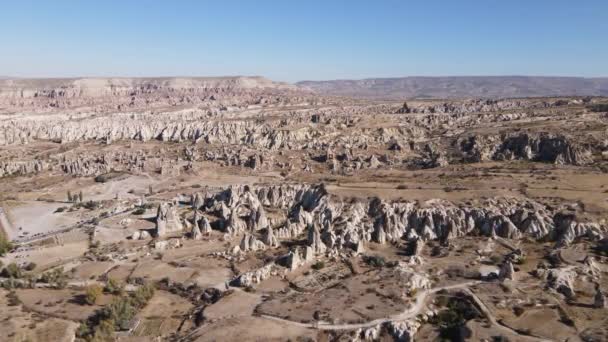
(295,40)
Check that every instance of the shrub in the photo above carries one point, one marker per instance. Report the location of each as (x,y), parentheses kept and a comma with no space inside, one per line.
(499,338)
(106,177)
(83,331)
(450,320)
(10,284)
(120,311)
(318,265)
(598,107)
(375,261)
(142,295)
(5,245)
(114,287)
(92,293)
(496,259)
(56,278)
(104,331)
(91,205)
(13,299)
(139,211)
(117,315)
(11,271)
(30,266)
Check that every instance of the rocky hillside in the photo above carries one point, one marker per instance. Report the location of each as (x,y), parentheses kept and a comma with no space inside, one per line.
(461,87)
(123,93)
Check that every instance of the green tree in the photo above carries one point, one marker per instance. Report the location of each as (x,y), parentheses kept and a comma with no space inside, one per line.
(114,287)
(92,294)
(104,331)
(5,245)
(142,295)
(56,278)
(12,271)
(121,312)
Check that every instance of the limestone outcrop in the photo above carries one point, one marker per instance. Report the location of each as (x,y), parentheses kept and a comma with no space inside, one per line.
(331,223)
(167,220)
(21,168)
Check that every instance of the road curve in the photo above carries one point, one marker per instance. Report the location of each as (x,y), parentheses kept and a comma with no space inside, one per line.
(408,313)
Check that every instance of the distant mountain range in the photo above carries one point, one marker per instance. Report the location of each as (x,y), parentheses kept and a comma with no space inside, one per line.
(461,87)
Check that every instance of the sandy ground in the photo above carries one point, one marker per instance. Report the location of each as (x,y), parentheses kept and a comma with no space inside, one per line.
(17,325)
(236,304)
(251,329)
(36,217)
(66,304)
(50,256)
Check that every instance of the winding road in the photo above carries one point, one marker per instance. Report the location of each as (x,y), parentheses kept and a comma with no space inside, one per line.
(412,312)
(408,313)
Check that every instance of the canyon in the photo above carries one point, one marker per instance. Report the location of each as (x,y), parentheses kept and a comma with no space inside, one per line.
(224,208)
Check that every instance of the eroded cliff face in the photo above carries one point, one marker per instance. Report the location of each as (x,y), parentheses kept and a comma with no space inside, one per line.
(99,94)
(484,106)
(544,147)
(334,224)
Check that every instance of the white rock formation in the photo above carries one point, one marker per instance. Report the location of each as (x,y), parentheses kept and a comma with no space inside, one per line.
(167,220)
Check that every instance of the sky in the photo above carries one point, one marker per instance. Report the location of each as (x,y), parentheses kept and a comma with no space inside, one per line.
(293,40)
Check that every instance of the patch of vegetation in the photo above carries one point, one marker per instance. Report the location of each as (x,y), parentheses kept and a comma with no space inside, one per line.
(496,259)
(91,205)
(521,260)
(598,107)
(12,298)
(452,319)
(56,278)
(11,270)
(139,211)
(518,310)
(318,265)
(375,261)
(10,284)
(92,294)
(106,177)
(5,245)
(114,287)
(30,266)
(118,315)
